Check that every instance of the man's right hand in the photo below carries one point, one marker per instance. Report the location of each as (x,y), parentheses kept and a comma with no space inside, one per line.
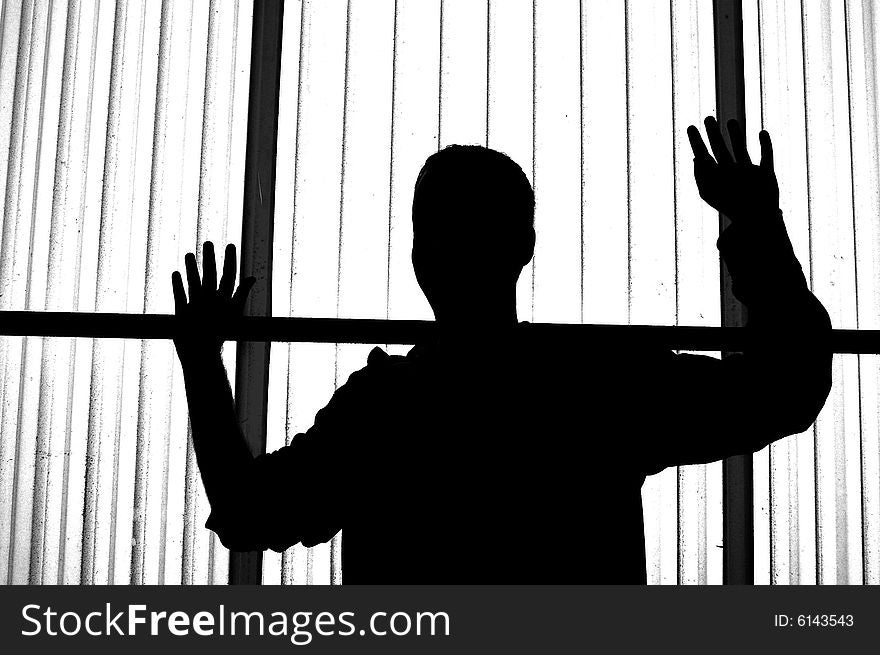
(210,307)
(730,182)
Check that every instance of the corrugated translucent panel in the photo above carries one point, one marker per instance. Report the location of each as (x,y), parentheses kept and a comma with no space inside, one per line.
(700,515)
(511,103)
(811,80)
(592,100)
(863,46)
(672,273)
(124,150)
(317,56)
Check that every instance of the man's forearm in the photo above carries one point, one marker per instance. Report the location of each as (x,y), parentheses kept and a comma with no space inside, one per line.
(789,358)
(767,276)
(221,452)
(760,258)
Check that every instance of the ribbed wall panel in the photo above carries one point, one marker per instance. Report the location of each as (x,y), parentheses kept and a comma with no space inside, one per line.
(700,516)
(124,150)
(863,45)
(811,80)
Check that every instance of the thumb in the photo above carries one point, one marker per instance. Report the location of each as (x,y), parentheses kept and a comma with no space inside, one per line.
(241,294)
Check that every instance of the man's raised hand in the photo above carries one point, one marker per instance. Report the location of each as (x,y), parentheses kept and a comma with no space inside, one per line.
(730,182)
(209,307)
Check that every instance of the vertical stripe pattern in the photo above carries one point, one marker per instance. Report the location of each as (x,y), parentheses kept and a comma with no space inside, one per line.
(124,149)
(811,80)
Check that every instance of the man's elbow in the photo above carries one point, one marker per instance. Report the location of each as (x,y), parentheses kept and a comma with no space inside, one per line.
(242,526)
(800,408)
(258,530)
(243,538)
(239,542)
(233,531)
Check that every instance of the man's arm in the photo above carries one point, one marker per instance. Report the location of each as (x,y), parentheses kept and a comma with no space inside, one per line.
(710,408)
(302,492)
(276,499)
(222,454)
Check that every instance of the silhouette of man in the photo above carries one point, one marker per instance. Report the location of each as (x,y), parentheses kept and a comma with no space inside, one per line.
(488,455)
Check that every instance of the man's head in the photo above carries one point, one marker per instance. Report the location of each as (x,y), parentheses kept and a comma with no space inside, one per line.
(473,232)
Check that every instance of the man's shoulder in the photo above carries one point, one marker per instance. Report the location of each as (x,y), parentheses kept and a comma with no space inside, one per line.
(380,361)
(380,366)
(366,385)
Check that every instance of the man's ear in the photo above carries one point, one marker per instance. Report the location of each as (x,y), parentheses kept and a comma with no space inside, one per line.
(527,248)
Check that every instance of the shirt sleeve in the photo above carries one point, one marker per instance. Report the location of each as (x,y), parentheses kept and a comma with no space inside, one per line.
(291,495)
(704,409)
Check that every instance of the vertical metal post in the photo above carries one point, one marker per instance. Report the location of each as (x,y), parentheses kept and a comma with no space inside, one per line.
(252,358)
(739,552)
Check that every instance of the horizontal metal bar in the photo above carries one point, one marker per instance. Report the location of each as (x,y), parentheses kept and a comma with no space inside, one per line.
(357,330)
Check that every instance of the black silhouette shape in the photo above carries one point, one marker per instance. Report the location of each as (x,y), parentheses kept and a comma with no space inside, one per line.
(488,456)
